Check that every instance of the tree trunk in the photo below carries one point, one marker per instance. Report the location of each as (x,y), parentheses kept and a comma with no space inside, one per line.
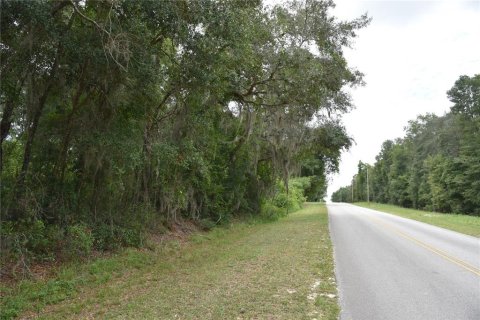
(5,128)
(31,131)
(76,104)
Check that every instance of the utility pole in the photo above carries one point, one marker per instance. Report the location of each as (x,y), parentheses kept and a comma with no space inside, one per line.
(352,189)
(368,188)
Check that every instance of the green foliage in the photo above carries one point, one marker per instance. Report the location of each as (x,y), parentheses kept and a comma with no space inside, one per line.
(343,194)
(284,202)
(26,241)
(79,241)
(271,212)
(465,95)
(317,189)
(436,166)
(112,237)
(117,117)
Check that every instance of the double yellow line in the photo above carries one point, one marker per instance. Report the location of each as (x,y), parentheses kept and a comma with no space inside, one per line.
(443,254)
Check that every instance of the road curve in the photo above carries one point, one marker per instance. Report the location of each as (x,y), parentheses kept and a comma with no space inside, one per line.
(388,267)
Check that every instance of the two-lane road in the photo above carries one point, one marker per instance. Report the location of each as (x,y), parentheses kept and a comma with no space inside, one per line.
(389,267)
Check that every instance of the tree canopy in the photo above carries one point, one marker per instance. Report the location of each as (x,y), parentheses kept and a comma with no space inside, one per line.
(116,115)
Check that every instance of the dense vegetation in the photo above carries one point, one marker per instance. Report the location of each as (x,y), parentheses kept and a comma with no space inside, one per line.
(122,116)
(436,166)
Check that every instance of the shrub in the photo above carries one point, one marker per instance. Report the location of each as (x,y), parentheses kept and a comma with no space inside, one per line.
(112,237)
(78,241)
(271,212)
(281,202)
(30,240)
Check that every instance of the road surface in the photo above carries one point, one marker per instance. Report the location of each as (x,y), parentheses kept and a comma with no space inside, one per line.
(389,267)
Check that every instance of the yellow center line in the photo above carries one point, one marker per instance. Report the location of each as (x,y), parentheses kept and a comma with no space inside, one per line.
(461,263)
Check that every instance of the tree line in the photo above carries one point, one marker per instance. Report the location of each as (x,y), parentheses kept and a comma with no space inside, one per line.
(123,116)
(436,166)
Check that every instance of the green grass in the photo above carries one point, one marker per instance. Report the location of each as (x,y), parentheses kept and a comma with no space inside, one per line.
(457,222)
(277,270)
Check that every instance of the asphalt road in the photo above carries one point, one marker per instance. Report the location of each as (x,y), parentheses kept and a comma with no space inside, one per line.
(389,267)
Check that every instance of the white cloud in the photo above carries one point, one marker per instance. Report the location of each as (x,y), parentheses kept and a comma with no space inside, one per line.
(411,54)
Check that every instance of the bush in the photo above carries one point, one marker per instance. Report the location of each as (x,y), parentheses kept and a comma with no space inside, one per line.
(30,240)
(295,197)
(78,241)
(271,212)
(112,237)
(281,203)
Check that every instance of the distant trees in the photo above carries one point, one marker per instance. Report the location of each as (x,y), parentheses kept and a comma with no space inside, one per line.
(342,195)
(118,114)
(436,166)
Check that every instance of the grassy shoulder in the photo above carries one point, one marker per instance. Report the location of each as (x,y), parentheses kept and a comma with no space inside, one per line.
(277,270)
(457,222)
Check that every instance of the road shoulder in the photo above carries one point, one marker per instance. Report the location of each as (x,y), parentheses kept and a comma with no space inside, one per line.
(465,224)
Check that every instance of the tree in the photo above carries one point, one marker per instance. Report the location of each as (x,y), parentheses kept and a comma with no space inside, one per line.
(122,115)
(435,166)
(465,95)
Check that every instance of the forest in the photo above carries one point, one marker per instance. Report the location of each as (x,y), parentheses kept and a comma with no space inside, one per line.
(120,118)
(435,167)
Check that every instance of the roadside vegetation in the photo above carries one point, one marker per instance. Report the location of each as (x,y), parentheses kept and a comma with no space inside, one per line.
(248,270)
(466,224)
(435,167)
(121,119)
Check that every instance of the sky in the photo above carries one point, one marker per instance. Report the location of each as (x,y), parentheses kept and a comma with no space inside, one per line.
(411,54)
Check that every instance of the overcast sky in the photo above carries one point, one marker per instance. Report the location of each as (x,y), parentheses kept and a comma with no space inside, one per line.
(411,54)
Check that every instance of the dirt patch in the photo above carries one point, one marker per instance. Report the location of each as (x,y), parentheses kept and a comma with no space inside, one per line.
(181,230)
